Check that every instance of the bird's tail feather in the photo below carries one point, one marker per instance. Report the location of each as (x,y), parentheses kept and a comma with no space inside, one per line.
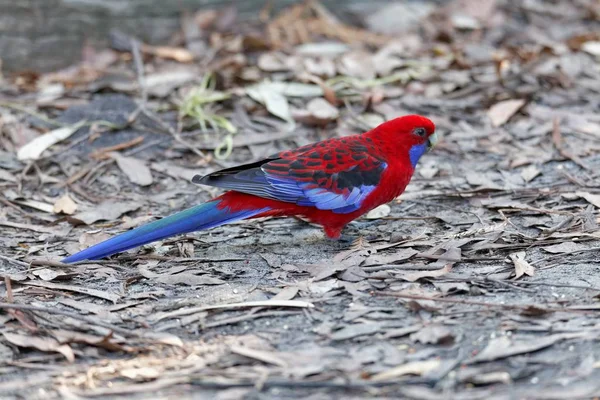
(203,216)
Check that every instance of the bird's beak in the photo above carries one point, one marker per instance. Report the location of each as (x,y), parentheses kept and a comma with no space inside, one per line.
(433,139)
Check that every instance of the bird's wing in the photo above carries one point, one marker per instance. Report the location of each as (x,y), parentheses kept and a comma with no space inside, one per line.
(336,178)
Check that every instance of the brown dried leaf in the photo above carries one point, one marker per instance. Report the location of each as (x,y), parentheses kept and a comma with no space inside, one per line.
(287,293)
(412,368)
(522,267)
(503,347)
(7,176)
(436,273)
(101,294)
(65,205)
(107,211)
(48,274)
(186,277)
(434,334)
(34,149)
(260,355)
(319,112)
(590,198)
(41,343)
(355,330)
(399,255)
(529,173)
(357,64)
(379,212)
(136,170)
(501,112)
(565,247)
(272,62)
(106,342)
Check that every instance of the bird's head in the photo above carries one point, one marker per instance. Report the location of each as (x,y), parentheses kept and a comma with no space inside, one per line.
(410,135)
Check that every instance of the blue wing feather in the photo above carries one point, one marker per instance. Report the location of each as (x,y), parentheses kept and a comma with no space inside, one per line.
(293,181)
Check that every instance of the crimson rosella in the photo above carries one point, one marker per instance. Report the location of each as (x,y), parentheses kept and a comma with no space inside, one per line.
(330,183)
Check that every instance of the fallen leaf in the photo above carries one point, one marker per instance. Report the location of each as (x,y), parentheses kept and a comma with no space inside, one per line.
(397,18)
(175,171)
(434,334)
(522,267)
(136,170)
(101,294)
(415,276)
(451,287)
(48,274)
(40,343)
(141,374)
(355,330)
(529,173)
(260,355)
(593,199)
(319,112)
(272,62)
(273,100)
(38,205)
(591,47)
(186,278)
(89,239)
(64,205)
(322,49)
(412,368)
(465,22)
(7,176)
(106,342)
(321,271)
(34,149)
(357,64)
(134,222)
(383,259)
(379,212)
(503,347)
(501,112)
(161,84)
(287,293)
(106,211)
(565,247)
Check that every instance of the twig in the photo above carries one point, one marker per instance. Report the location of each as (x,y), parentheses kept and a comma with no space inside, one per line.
(89,320)
(172,259)
(523,308)
(9,292)
(21,211)
(247,317)
(139,70)
(566,253)
(101,153)
(556,285)
(557,139)
(13,261)
(264,303)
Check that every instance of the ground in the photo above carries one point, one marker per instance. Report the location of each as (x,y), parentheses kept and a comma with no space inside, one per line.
(480,281)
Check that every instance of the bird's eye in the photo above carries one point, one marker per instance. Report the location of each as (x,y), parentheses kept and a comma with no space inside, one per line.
(420,132)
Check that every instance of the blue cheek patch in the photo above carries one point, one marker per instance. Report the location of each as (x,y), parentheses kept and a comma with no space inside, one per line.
(415,152)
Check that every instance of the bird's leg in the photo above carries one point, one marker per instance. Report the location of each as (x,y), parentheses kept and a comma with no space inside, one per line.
(335,233)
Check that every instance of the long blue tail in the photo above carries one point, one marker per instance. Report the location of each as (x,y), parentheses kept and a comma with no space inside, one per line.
(203,216)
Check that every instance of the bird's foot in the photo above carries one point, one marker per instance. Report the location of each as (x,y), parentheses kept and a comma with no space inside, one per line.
(363,224)
(347,239)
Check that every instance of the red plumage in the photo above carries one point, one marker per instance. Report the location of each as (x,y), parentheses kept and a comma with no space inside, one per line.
(390,143)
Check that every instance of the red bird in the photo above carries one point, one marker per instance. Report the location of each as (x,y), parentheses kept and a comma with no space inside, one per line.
(330,183)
